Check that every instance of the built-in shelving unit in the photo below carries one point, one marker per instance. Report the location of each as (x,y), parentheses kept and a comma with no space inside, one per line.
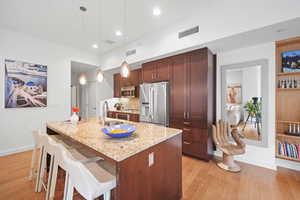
(287,104)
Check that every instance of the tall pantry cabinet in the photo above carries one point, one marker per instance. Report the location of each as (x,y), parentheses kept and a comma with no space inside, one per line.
(192,101)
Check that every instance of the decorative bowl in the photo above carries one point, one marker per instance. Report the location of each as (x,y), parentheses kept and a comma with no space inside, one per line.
(119,131)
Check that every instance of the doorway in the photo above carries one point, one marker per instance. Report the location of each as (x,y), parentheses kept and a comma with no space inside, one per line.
(84,96)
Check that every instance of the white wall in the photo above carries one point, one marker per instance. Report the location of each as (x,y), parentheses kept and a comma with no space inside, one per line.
(16,125)
(216,18)
(261,156)
(251,83)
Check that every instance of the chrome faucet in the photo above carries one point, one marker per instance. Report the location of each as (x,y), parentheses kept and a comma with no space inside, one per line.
(104,112)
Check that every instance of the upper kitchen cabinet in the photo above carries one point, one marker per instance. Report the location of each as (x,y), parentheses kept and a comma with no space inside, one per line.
(178,88)
(117,85)
(148,71)
(134,79)
(156,71)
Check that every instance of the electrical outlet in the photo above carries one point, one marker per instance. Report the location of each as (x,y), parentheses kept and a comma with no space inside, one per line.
(151,159)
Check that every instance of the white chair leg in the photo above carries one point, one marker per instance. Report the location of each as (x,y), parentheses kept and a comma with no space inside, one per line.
(66,186)
(50,176)
(107,195)
(38,184)
(70,189)
(53,180)
(33,161)
(43,170)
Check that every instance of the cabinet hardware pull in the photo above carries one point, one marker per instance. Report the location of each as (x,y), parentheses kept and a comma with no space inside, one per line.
(184,115)
(187,129)
(186,142)
(188,115)
(186,123)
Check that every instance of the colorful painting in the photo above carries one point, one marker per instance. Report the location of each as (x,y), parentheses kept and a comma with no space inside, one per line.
(291,61)
(25,84)
(234,94)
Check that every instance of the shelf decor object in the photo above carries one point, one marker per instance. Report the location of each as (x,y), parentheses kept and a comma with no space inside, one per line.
(288,99)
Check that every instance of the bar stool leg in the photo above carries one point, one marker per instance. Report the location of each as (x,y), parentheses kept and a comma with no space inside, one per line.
(53,180)
(50,176)
(70,189)
(38,184)
(107,195)
(33,161)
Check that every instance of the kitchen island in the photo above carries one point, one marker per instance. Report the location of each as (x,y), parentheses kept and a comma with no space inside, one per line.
(148,163)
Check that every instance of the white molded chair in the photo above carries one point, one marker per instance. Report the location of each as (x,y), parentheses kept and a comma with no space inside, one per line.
(48,144)
(47,147)
(89,179)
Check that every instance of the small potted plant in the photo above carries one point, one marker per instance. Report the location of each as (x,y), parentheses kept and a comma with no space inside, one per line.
(75,117)
(118,106)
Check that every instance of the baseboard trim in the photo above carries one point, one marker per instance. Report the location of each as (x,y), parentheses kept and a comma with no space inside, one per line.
(288,164)
(16,150)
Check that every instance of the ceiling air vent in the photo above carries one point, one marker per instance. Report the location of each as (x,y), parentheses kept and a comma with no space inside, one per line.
(130,52)
(188,32)
(109,42)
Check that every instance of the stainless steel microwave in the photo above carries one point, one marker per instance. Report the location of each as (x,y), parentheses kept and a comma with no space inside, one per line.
(129,92)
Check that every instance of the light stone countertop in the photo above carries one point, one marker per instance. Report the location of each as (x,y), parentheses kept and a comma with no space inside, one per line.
(89,133)
(126,111)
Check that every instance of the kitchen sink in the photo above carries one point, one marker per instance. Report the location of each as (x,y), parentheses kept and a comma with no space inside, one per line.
(112,122)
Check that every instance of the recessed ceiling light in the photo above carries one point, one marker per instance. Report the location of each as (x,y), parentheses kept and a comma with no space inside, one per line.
(119,33)
(95,46)
(156,11)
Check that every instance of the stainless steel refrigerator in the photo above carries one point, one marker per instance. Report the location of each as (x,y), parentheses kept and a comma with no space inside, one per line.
(154,103)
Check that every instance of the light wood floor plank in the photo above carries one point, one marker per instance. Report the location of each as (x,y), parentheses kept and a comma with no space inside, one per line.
(201,181)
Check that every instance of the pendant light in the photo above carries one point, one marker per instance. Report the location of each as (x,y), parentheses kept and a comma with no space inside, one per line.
(100,76)
(82,79)
(125,70)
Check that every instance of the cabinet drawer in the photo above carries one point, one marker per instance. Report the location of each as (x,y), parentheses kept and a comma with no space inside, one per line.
(111,114)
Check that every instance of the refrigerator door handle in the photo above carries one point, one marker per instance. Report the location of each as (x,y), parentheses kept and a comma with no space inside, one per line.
(153,104)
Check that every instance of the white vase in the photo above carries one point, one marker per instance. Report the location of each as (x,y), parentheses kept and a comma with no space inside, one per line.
(74,118)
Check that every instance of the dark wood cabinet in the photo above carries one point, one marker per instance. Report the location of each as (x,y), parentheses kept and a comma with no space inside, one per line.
(148,70)
(134,79)
(192,105)
(156,71)
(117,85)
(134,117)
(192,96)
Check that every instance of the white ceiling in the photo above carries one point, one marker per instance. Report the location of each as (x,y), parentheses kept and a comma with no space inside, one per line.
(62,22)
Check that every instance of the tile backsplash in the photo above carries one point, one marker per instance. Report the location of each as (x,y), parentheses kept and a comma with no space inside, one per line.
(131,103)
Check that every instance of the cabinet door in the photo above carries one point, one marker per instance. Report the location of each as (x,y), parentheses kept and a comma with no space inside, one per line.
(178,87)
(148,72)
(125,81)
(135,77)
(134,117)
(117,86)
(197,87)
(163,69)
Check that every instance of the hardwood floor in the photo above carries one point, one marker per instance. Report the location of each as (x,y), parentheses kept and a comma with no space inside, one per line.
(201,181)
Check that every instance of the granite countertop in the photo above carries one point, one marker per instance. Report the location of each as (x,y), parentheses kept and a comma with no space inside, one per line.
(89,133)
(126,111)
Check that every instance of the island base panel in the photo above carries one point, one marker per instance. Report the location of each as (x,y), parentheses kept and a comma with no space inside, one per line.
(160,181)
